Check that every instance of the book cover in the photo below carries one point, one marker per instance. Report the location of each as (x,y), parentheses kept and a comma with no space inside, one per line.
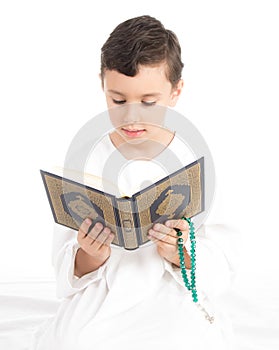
(178,194)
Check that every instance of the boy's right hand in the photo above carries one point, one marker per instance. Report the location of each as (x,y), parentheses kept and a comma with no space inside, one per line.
(96,242)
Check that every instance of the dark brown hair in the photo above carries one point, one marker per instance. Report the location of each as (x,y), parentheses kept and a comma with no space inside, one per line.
(138,41)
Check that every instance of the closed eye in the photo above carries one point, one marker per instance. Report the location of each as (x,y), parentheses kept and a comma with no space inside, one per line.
(149,103)
(118,102)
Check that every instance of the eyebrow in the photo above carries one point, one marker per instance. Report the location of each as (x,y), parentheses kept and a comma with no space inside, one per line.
(145,95)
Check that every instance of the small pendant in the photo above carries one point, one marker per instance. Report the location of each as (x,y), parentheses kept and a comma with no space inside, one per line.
(209,318)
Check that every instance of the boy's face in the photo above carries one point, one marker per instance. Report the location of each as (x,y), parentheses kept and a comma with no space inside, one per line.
(139,99)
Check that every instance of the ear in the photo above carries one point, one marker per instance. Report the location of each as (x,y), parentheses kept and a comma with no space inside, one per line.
(176,91)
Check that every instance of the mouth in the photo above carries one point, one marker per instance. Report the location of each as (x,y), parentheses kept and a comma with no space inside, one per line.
(133,132)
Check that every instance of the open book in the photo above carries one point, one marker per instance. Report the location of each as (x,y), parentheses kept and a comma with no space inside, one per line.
(178,194)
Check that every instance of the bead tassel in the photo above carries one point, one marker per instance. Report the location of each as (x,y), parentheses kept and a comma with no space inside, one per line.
(190,286)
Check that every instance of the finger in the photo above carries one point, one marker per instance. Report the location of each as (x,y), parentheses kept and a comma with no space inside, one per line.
(171,239)
(167,247)
(159,236)
(84,227)
(94,232)
(163,229)
(109,240)
(182,225)
(102,237)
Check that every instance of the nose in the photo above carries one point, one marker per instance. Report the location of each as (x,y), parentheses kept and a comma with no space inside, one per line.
(131,113)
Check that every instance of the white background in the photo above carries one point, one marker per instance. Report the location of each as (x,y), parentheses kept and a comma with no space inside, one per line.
(49,87)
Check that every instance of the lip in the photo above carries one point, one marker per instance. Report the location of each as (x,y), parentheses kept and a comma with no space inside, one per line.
(133,132)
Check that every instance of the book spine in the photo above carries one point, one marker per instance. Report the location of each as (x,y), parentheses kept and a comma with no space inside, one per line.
(126,223)
(120,239)
(137,222)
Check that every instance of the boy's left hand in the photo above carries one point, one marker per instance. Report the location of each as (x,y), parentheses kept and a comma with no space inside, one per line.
(165,237)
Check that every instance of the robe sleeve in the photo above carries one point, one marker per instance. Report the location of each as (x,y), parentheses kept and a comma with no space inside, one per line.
(64,249)
(216,260)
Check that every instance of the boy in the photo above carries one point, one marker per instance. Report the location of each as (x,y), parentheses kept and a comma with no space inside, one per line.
(151,77)
(135,299)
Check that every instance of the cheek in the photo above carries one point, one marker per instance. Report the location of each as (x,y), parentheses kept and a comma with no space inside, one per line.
(153,129)
(117,116)
(109,102)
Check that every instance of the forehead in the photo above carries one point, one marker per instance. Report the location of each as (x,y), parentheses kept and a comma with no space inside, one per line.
(149,80)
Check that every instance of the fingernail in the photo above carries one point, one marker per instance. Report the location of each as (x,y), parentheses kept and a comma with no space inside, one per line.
(88,221)
(99,225)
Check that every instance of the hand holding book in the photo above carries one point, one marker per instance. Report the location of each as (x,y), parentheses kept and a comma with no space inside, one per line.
(178,194)
(165,236)
(94,247)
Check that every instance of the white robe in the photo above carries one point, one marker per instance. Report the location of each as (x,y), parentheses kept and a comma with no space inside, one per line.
(136,299)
